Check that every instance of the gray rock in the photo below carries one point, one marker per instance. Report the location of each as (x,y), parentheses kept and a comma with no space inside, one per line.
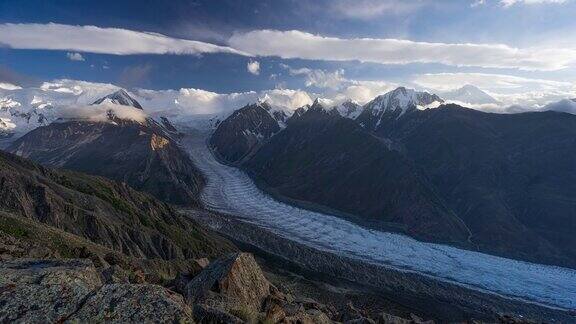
(40,291)
(128,303)
(318,317)
(207,314)
(233,282)
(79,272)
(115,275)
(49,291)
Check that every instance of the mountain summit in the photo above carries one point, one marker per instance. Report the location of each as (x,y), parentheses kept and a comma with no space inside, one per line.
(394,104)
(120,97)
(469,94)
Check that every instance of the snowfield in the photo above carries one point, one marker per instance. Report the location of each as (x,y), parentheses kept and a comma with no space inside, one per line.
(229,190)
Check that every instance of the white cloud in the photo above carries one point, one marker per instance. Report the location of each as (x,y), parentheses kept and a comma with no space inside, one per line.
(477,3)
(318,78)
(100,113)
(75,56)
(508,3)
(189,101)
(253,67)
(9,86)
(298,44)
(364,91)
(369,9)
(338,88)
(92,39)
(510,90)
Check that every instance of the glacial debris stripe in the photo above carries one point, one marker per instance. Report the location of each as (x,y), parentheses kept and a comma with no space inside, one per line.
(229,190)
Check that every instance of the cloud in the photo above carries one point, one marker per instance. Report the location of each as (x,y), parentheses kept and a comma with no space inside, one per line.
(477,3)
(9,86)
(75,56)
(190,101)
(508,89)
(92,39)
(253,67)
(509,3)
(364,91)
(318,78)
(100,113)
(337,88)
(298,44)
(370,9)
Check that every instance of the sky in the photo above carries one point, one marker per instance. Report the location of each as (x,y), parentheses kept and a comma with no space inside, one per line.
(519,51)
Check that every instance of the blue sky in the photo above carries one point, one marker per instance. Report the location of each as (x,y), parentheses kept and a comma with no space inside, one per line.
(525,47)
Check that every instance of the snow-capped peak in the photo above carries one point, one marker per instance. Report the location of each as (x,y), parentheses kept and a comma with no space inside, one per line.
(321,104)
(404,100)
(469,94)
(120,97)
(348,108)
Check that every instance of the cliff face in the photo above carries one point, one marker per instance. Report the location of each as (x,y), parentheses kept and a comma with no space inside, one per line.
(332,161)
(241,134)
(140,154)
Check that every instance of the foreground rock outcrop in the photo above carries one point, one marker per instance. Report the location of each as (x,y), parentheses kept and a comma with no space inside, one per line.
(232,289)
(235,281)
(40,291)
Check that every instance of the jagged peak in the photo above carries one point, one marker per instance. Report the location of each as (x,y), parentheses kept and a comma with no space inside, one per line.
(120,97)
(404,99)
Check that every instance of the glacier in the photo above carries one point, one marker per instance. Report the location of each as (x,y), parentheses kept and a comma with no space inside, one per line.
(232,192)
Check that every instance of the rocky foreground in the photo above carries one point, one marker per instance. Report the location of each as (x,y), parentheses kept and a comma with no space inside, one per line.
(232,289)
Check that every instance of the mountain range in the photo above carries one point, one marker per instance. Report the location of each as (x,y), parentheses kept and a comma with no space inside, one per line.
(450,174)
(142,153)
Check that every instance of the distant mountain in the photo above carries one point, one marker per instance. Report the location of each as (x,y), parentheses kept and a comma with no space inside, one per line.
(144,154)
(469,94)
(508,176)
(390,106)
(329,160)
(349,109)
(564,105)
(16,118)
(499,183)
(6,127)
(239,135)
(120,97)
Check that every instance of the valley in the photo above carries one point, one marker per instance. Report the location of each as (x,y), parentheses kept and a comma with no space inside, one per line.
(230,191)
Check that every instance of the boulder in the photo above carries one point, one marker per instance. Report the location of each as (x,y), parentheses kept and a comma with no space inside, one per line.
(183,278)
(130,303)
(50,291)
(275,313)
(206,314)
(233,282)
(80,272)
(40,291)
